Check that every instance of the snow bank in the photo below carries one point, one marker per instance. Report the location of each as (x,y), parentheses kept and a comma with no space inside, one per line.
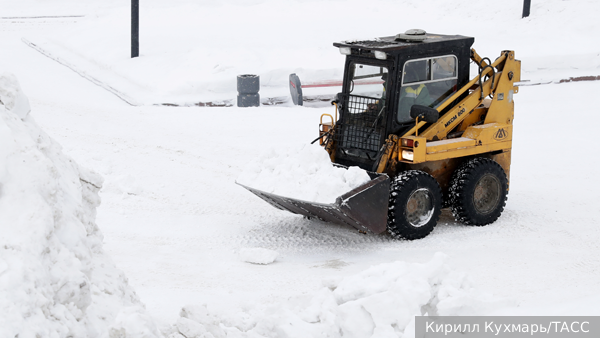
(258,255)
(12,97)
(381,301)
(303,172)
(55,279)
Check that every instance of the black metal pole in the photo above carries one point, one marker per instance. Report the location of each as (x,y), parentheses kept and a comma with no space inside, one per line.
(135,28)
(526,8)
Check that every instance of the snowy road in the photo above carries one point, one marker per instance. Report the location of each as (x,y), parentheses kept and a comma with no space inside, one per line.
(174,220)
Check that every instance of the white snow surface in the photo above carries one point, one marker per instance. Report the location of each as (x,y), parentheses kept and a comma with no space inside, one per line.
(192,51)
(12,96)
(381,301)
(303,172)
(258,255)
(55,278)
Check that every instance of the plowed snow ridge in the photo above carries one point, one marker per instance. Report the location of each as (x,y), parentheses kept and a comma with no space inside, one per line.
(55,279)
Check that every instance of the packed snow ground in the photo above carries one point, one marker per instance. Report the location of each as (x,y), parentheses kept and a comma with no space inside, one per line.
(175,222)
(381,301)
(258,255)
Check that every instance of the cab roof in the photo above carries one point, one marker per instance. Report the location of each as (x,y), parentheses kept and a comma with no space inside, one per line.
(394,45)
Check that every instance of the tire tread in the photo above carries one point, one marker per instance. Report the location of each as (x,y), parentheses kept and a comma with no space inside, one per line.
(396,189)
(458,196)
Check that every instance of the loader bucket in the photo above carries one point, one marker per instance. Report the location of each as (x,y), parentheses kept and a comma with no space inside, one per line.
(364,208)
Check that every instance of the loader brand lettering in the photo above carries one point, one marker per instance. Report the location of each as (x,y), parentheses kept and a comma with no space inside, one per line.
(462,111)
(450,121)
(501,134)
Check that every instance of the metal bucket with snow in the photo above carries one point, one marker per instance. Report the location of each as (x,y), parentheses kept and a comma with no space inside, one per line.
(364,208)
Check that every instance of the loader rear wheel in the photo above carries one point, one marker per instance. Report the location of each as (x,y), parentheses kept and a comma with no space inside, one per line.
(478,192)
(414,206)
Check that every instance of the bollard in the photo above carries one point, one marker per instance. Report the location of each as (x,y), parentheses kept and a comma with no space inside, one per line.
(248,86)
(526,8)
(135,28)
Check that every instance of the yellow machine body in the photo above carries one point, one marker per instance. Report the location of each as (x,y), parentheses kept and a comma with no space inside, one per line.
(474,126)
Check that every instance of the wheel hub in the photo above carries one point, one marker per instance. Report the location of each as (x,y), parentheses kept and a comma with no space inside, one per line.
(487,194)
(419,207)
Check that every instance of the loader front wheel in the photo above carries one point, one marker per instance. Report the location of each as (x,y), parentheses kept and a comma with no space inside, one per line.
(414,206)
(478,192)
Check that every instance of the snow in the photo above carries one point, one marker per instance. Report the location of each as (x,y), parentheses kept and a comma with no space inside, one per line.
(304,172)
(55,279)
(182,64)
(12,96)
(258,255)
(450,141)
(173,219)
(381,301)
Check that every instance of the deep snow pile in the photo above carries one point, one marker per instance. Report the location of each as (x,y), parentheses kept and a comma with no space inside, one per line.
(303,172)
(381,301)
(55,279)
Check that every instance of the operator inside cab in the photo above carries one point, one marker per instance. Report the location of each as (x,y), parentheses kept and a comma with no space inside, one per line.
(427,82)
(413,90)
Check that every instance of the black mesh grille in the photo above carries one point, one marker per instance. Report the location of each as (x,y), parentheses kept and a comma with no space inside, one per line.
(361,127)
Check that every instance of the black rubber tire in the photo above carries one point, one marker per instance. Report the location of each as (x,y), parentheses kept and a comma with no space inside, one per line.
(423,192)
(248,100)
(248,84)
(478,192)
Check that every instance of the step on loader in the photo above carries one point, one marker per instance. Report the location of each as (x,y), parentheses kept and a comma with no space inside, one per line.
(430,136)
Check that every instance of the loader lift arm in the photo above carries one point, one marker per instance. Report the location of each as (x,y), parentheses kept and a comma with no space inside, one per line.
(509,72)
(477,124)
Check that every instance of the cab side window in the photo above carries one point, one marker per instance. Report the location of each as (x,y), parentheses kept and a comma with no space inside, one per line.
(426,82)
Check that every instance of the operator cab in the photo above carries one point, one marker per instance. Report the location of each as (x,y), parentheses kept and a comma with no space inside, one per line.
(384,78)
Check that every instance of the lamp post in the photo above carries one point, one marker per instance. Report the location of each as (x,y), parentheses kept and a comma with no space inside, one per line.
(135,28)
(526,7)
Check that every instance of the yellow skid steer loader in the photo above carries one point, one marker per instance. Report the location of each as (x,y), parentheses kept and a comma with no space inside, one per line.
(429,136)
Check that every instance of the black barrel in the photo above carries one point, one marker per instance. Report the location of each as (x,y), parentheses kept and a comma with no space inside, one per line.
(248,86)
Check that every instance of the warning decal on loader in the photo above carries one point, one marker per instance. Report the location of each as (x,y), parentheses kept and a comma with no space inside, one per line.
(501,134)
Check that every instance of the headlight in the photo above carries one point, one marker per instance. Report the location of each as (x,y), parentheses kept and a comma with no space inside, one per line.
(380,55)
(345,50)
(407,155)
